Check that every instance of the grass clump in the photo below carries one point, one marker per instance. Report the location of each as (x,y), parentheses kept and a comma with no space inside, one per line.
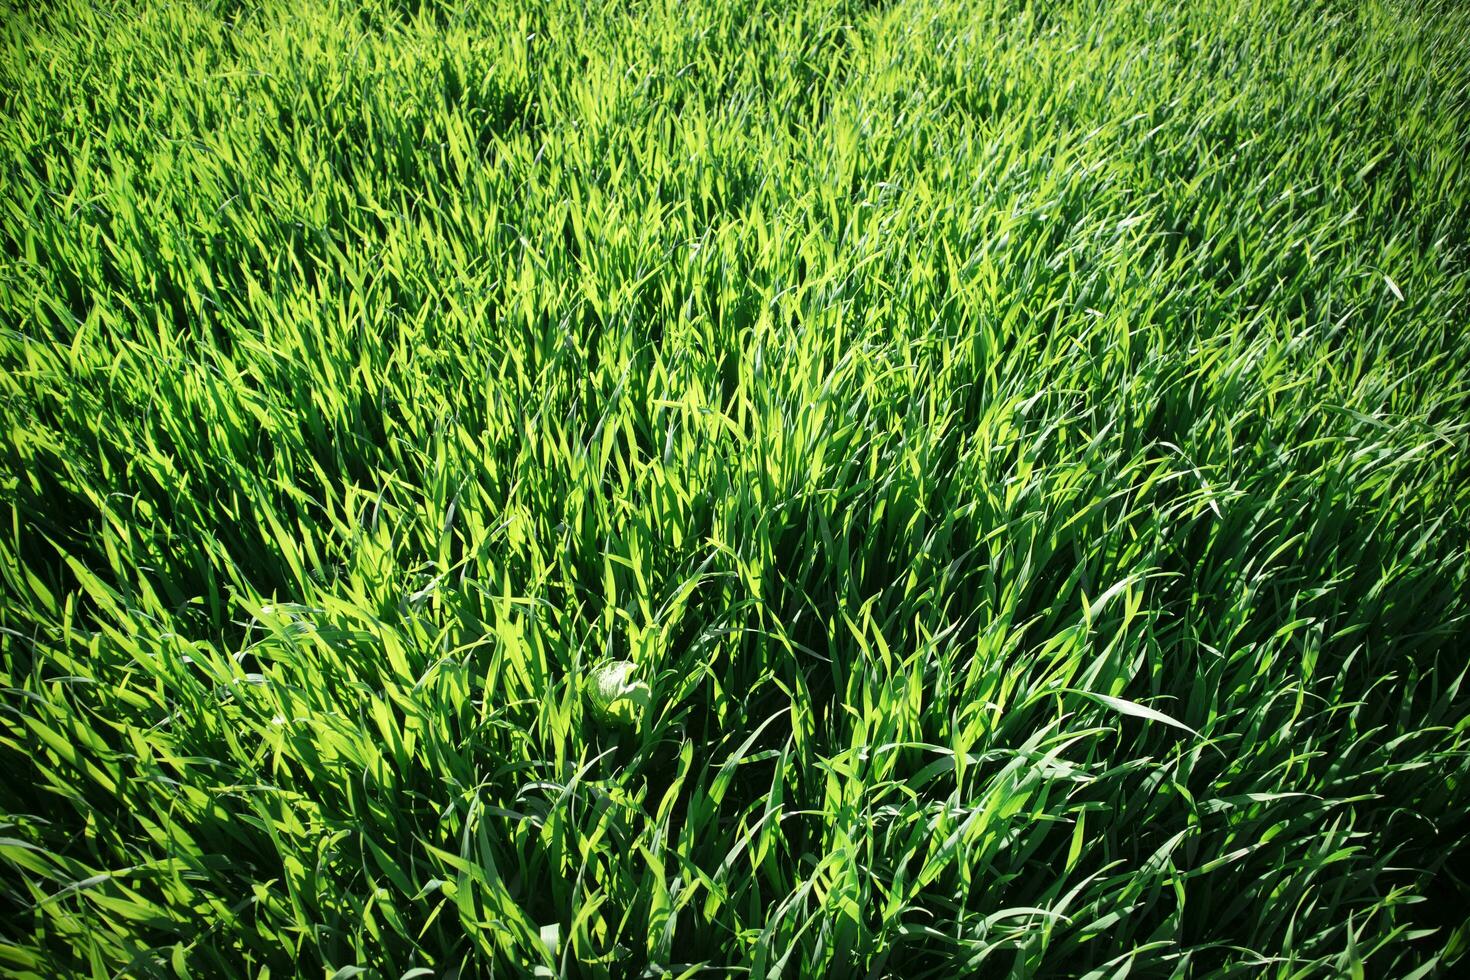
(1021,445)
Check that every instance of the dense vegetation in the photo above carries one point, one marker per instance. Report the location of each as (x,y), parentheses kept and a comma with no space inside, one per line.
(1021,449)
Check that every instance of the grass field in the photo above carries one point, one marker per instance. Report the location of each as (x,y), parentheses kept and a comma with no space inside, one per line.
(820,489)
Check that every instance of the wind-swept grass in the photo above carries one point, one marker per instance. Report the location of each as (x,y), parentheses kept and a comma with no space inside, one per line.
(1022,448)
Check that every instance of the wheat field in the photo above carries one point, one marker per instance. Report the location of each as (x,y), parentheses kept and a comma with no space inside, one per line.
(924,489)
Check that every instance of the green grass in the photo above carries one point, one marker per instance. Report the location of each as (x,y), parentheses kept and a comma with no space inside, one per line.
(1021,446)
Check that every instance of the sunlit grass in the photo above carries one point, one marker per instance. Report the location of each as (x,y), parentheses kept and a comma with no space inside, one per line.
(914,489)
